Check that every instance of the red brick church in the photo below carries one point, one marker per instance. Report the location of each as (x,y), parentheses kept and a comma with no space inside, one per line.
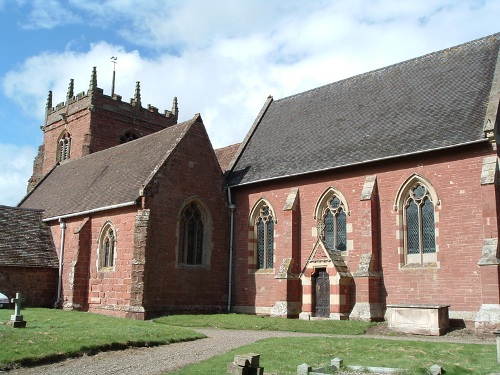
(378,190)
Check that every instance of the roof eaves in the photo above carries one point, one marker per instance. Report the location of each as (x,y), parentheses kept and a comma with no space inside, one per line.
(104,208)
(362,162)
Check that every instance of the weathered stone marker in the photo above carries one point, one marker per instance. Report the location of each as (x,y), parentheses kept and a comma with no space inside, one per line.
(245,364)
(16,320)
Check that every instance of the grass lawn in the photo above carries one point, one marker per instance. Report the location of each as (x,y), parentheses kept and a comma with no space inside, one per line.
(283,355)
(55,334)
(256,323)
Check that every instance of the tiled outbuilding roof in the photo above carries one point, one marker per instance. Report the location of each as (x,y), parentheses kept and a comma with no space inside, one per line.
(225,155)
(25,241)
(435,101)
(111,177)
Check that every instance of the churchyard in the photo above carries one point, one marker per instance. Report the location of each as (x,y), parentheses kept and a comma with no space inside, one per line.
(46,338)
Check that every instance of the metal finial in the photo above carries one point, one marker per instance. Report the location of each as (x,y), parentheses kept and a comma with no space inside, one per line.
(113,60)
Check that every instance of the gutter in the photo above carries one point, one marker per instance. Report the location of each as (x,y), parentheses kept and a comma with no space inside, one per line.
(120,205)
(232,207)
(484,140)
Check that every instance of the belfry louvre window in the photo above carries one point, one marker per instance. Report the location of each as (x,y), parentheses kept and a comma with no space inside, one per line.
(191,235)
(264,225)
(420,227)
(333,227)
(64,147)
(128,136)
(107,247)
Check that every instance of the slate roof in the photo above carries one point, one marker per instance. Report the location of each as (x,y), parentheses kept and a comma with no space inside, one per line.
(110,177)
(434,101)
(225,155)
(25,241)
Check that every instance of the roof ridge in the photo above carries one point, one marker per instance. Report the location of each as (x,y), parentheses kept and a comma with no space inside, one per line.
(401,63)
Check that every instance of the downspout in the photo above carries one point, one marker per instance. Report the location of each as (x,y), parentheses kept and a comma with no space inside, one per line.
(232,207)
(61,255)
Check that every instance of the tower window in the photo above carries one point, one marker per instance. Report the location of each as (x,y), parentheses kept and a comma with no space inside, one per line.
(64,147)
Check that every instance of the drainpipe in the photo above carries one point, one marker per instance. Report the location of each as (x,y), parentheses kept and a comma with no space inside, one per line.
(232,207)
(61,255)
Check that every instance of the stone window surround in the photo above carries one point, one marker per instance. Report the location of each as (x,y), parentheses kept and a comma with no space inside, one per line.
(320,206)
(63,146)
(428,260)
(101,253)
(252,237)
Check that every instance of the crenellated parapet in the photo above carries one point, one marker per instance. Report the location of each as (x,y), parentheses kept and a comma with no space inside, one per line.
(95,97)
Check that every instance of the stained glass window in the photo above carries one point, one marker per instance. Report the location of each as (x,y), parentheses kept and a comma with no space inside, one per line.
(334,226)
(191,235)
(420,226)
(265,238)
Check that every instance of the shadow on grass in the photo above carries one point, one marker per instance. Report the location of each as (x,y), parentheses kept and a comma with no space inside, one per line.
(87,350)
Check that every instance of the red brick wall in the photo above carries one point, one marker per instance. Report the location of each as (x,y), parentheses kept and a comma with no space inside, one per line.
(38,286)
(191,171)
(461,228)
(107,292)
(96,123)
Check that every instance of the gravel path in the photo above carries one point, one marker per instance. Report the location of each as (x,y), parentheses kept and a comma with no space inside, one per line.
(166,358)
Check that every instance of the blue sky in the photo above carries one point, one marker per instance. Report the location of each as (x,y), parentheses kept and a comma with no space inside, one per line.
(220,58)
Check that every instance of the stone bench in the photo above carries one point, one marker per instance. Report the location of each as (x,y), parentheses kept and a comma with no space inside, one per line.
(418,319)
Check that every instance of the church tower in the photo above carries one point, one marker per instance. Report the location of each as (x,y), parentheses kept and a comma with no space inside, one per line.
(91,122)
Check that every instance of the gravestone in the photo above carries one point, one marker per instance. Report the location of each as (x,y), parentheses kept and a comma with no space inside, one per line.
(16,320)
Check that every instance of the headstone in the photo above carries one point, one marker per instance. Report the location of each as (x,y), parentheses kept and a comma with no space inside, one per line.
(436,370)
(304,369)
(16,320)
(245,364)
(336,363)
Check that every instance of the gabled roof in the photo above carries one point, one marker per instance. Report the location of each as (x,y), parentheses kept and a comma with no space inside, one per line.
(25,241)
(115,176)
(435,101)
(225,155)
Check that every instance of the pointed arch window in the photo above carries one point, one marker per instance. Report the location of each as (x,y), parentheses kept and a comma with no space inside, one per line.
(264,227)
(191,235)
(107,247)
(332,224)
(64,147)
(420,226)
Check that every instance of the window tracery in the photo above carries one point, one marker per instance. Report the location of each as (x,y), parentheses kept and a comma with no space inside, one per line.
(332,222)
(420,226)
(264,224)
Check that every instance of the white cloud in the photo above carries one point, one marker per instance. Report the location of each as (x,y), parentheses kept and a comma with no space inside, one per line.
(223,58)
(16,163)
(46,14)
